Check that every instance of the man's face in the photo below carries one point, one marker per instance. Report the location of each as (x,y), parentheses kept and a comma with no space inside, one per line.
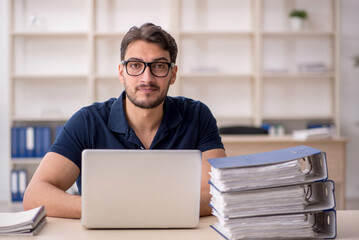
(146,90)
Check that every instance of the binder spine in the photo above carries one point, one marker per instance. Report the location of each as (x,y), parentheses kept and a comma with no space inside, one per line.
(15,197)
(15,142)
(38,137)
(319,166)
(30,142)
(22,183)
(22,142)
(326,224)
(46,140)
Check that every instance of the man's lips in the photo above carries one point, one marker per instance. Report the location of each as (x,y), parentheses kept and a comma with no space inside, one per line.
(144,88)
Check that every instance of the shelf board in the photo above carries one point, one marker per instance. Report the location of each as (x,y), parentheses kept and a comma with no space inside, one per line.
(201,33)
(226,120)
(106,77)
(49,34)
(57,118)
(109,34)
(49,76)
(215,75)
(29,161)
(254,138)
(298,75)
(298,117)
(312,33)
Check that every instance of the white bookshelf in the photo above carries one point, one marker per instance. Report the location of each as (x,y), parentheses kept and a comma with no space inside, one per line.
(241,58)
(26,161)
(293,94)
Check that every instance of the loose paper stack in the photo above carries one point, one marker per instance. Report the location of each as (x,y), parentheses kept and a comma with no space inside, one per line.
(313,133)
(278,194)
(26,223)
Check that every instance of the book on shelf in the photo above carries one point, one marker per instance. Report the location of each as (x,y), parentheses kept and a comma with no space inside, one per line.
(278,194)
(25,223)
(312,68)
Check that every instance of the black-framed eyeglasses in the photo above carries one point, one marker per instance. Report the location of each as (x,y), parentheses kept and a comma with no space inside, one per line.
(158,69)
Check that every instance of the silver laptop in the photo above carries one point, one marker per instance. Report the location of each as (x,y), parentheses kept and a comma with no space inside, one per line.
(141,188)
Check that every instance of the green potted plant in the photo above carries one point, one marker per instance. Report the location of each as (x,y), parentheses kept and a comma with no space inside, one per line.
(298,17)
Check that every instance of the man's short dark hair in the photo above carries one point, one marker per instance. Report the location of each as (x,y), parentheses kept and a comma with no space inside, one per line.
(153,34)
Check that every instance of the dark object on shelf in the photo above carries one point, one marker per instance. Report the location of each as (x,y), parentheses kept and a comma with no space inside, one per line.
(242,130)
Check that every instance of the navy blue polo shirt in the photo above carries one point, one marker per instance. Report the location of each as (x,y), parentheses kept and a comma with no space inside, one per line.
(186,124)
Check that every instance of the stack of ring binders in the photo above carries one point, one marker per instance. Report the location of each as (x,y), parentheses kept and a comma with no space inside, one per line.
(279,194)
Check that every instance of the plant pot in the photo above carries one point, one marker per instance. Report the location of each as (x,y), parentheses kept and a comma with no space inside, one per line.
(297,23)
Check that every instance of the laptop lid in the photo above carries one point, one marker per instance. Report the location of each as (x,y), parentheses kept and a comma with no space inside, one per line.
(141,188)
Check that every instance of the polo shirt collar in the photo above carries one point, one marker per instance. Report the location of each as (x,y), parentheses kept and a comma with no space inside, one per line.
(118,122)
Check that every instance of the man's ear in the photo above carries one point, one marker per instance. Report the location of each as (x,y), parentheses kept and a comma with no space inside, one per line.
(120,73)
(174,74)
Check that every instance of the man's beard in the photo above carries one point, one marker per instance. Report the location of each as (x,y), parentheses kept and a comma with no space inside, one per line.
(147,104)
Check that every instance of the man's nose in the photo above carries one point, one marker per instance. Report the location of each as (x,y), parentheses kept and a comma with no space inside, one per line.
(147,75)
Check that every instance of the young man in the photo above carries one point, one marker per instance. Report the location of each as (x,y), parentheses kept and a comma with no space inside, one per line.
(143,117)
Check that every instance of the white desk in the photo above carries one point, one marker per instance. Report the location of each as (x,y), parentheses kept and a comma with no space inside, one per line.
(68,229)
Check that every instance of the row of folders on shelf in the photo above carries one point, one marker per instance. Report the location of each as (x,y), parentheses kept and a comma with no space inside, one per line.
(32,141)
(18,184)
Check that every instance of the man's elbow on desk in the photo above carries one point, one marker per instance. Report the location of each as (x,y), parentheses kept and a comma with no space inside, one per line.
(56,202)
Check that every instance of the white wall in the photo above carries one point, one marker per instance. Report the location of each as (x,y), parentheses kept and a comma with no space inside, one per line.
(349,99)
(4,106)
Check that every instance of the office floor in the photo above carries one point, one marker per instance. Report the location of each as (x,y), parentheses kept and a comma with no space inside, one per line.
(352,204)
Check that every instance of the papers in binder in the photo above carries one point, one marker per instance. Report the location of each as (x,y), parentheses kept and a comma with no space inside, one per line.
(296,165)
(23,223)
(302,225)
(310,197)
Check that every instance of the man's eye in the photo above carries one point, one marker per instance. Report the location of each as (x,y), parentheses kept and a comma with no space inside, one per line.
(160,65)
(135,65)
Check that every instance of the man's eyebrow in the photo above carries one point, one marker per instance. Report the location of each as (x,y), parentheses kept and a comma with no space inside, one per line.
(161,59)
(154,60)
(135,59)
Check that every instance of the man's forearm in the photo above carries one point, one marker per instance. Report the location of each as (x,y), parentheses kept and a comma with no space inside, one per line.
(205,209)
(206,168)
(57,202)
